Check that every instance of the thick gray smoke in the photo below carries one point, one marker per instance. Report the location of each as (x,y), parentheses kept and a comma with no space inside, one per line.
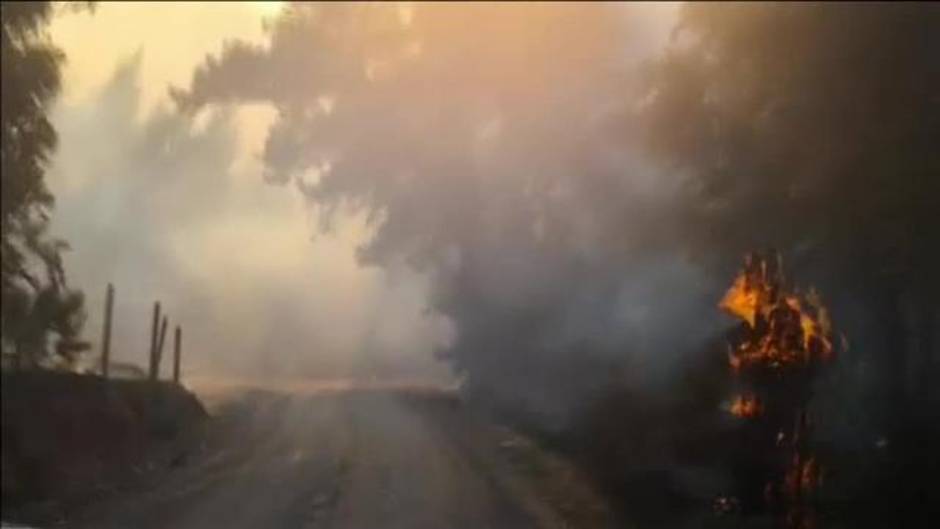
(490,147)
(170,207)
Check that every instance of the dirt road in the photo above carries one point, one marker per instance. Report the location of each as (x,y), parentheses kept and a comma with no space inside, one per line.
(374,459)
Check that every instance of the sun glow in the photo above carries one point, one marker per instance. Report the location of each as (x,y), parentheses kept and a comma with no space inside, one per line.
(268,8)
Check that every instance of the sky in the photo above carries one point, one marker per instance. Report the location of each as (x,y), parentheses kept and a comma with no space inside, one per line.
(175,207)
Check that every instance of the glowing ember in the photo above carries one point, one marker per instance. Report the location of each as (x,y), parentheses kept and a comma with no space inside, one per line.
(746,406)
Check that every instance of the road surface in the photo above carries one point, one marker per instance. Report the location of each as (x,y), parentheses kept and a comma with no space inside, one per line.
(349,460)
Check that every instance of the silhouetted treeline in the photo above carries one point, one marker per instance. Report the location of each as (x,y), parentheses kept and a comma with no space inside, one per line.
(42,316)
(812,128)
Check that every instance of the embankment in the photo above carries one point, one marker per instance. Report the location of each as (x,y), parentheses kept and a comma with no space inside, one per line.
(68,437)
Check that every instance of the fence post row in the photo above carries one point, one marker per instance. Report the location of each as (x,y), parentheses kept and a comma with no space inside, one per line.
(157,339)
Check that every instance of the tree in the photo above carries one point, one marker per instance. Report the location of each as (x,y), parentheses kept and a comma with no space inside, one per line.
(37,302)
(813,128)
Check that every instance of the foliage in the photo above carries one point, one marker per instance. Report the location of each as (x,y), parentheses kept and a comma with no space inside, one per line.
(811,124)
(807,124)
(36,300)
(812,128)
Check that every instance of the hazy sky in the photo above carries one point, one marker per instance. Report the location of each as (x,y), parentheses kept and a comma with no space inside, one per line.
(175,208)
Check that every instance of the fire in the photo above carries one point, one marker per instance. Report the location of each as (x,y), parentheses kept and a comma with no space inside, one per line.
(784,328)
(743,300)
(785,334)
(746,406)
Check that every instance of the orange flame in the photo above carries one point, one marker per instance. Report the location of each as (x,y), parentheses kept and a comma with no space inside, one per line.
(742,300)
(746,406)
(783,328)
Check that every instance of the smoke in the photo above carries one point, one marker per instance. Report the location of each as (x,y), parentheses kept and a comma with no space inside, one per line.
(171,208)
(492,149)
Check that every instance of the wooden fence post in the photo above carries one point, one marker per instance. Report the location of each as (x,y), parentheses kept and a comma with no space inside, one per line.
(153,340)
(177,339)
(106,333)
(160,345)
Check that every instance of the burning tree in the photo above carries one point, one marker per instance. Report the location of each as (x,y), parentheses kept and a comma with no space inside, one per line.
(785,337)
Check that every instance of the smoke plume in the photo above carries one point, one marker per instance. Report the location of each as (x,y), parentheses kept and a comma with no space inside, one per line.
(170,207)
(485,145)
